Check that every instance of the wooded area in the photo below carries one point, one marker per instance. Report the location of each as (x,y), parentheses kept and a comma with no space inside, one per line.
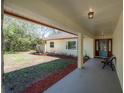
(20,35)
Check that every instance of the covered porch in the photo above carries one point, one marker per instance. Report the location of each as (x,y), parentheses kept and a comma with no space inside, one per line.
(91,79)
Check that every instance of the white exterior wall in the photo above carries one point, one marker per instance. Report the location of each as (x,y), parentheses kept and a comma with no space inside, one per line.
(88,46)
(118,48)
(60,47)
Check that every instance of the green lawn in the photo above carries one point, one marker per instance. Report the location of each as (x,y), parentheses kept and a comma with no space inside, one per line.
(20,79)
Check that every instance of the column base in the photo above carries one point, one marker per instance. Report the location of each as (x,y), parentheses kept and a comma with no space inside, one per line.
(82,67)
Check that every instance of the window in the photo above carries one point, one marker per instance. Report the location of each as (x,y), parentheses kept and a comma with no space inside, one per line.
(52,44)
(71,45)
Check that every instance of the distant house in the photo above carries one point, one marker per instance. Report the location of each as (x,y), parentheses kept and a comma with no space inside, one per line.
(65,43)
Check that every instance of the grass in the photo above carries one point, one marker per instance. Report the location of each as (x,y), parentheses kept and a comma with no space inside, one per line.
(18,80)
(21,60)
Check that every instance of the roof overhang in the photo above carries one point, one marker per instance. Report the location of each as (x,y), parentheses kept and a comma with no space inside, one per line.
(17,9)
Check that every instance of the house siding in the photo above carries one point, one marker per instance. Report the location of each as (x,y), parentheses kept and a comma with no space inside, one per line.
(60,47)
(88,46)
(118,48)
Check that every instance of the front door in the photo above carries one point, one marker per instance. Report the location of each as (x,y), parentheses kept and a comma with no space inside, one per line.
(103,48)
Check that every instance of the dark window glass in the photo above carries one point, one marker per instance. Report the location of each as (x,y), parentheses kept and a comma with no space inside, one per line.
(71,45)
(52,44)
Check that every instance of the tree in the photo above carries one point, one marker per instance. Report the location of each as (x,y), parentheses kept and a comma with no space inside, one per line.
(21,35)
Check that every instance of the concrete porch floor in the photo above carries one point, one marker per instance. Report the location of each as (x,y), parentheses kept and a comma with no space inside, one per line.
(91,79)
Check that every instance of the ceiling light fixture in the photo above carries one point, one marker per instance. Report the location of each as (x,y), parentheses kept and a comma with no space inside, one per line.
(90,14)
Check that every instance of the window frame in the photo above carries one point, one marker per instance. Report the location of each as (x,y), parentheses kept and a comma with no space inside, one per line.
(52,44)
(71,47)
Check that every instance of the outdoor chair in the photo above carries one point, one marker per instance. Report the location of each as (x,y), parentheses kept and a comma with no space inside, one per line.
(109,62)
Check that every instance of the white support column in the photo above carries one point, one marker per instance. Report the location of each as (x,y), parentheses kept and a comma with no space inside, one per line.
(80,50)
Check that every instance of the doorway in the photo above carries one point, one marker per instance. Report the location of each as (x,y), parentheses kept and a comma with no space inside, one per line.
(103,47)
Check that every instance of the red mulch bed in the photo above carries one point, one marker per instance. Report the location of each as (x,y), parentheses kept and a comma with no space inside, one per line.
(56,55)
(44,84)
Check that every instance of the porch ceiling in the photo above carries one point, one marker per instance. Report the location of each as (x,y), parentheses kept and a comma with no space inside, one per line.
(71,15)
